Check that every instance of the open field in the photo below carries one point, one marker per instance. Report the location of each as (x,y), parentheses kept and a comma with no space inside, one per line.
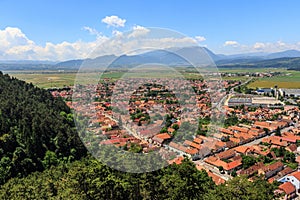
(236,78)
(253,70)
(56,79)
(291,79)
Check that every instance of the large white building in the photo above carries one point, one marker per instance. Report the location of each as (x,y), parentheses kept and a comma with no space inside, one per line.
(254,101)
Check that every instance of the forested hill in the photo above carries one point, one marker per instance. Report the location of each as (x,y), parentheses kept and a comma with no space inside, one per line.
(36,130)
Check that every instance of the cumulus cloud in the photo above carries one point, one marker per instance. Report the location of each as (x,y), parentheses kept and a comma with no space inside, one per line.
(231,43)
(200,38)
(114,21)
(14,44)
(138,31)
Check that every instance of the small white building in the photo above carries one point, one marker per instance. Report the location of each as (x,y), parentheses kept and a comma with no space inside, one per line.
(293,178)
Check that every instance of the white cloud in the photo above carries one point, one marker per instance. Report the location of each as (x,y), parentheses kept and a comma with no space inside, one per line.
(200,38)
(114,21)
(231,43)
(117,33)
(259,46)
(138,31)
(13,37)
(268,47)
(15,45)
(92,31)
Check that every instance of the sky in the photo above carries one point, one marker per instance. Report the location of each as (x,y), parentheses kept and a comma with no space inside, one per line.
(62,30)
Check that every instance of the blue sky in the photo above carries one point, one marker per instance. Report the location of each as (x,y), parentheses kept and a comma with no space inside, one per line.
(266,25)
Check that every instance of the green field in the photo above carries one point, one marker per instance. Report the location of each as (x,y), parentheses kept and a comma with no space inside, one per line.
(55,79)
(290,79)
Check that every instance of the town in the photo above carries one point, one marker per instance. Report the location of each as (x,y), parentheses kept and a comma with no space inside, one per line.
(258,138)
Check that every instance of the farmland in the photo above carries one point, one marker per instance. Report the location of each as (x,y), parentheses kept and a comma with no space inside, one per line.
(49,79)
(290,79)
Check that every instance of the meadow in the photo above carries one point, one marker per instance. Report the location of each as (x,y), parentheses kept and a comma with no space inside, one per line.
(50,79)
(289,79)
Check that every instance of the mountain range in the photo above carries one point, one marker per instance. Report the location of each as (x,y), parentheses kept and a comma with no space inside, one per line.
(172,56)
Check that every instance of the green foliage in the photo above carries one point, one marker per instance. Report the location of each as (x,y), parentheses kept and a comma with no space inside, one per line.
(231,121)
(175,126)
(49,159)
(286,155)
(89,179)
(248,161)
(135,148)
(240,188)
(32,123)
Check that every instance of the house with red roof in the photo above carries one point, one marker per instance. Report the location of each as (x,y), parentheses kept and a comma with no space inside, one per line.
(288,189)
(228,167)
(217,179)
(251,170)
(271,170)
(161,138)
(293,178)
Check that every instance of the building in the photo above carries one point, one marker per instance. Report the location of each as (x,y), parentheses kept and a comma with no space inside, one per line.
(291,92)
(289,190)
(255,101)
(293,178)
(271,170)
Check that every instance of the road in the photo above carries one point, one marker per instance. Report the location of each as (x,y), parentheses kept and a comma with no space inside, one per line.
(227,96)
(257,141)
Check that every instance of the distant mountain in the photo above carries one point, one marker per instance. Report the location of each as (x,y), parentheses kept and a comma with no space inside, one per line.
(92,63)
(284,54)
(172,56)
(289,63)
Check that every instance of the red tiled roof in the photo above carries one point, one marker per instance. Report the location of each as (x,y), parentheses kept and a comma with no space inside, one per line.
(233,164)
(240,129)
(292,147)
(217,179)
(251,170)
(191,151)
(287,187)
(177,160)
(296,175)
(235,140)
(242,149)
(198,140)
(163,136)
(273,166)
(226,131)
(226,154)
